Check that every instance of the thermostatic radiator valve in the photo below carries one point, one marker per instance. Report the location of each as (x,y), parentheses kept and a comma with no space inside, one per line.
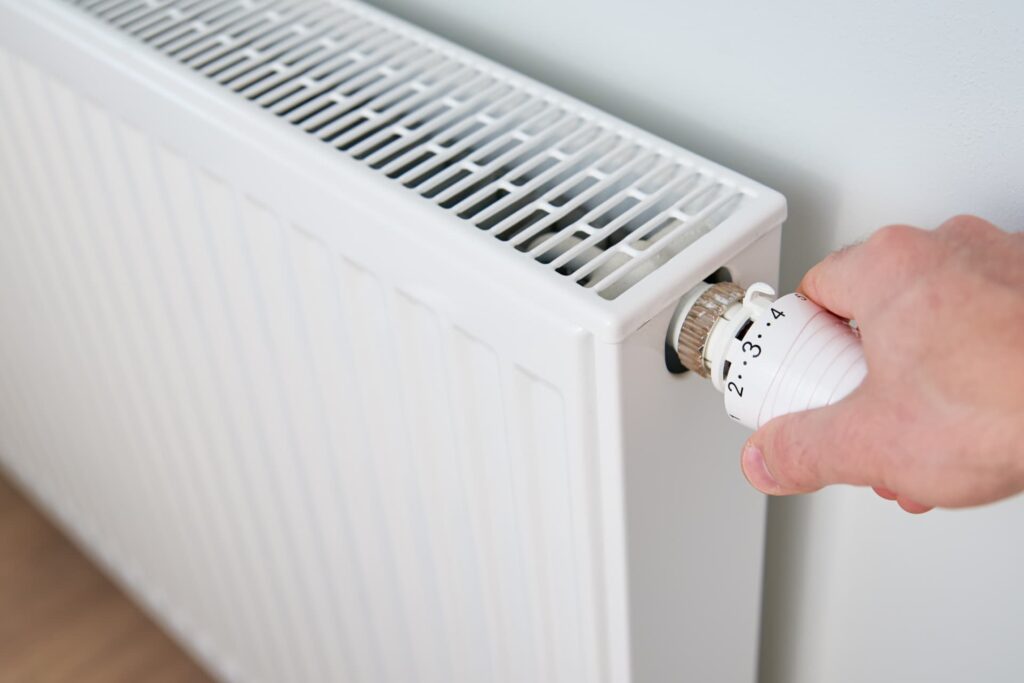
(767,356)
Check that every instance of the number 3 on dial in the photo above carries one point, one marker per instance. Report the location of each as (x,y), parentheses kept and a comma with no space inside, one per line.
(752,348)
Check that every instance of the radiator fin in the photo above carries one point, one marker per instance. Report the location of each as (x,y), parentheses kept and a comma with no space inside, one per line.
(586,199)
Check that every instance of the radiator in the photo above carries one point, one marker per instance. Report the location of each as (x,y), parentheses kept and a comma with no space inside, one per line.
(343,349)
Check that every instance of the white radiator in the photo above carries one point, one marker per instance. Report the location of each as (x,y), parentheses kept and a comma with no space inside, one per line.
(343,348)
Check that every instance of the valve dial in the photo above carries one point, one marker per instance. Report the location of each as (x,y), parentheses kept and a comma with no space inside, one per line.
(767,356)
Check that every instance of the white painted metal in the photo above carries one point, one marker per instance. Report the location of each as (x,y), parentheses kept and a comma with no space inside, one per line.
(328,430)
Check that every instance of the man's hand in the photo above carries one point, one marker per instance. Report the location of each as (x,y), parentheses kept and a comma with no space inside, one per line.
(939,420)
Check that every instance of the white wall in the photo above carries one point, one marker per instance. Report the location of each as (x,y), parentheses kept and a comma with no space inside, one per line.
(862,113)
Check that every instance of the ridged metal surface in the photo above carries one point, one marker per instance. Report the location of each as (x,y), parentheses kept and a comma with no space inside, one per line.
(306,471)
(585,199)
(700,320)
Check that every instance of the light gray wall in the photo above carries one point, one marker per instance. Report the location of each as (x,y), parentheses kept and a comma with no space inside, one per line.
(862,113)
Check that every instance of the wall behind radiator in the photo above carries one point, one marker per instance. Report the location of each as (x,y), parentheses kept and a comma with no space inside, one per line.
(863,114)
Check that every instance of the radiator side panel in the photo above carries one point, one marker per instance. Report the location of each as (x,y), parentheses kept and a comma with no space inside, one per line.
(694,527)
(309,467)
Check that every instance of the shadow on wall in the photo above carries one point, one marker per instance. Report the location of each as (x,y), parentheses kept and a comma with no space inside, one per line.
(784,573)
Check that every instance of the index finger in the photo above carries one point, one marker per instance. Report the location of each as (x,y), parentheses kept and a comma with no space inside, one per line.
(851,281)
(831,283)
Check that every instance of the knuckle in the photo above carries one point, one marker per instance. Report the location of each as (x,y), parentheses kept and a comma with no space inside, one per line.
(788,459)
(967,225)
(894,238)
(901,255)
(777,441)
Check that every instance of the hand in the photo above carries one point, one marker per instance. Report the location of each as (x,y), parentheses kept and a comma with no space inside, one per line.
(939,420)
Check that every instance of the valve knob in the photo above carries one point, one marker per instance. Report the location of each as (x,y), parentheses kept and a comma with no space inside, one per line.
(767,356)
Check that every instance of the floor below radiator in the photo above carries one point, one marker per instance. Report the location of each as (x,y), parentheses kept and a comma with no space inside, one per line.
(61,619)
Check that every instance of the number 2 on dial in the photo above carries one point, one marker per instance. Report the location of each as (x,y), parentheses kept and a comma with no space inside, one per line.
(732,386)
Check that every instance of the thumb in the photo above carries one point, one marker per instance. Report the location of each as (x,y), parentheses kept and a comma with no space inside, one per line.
(805,451)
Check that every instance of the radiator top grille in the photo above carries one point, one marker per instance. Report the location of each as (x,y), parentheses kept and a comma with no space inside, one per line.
(586,200)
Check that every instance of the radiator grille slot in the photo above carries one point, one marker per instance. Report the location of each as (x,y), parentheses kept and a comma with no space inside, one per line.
(575,194)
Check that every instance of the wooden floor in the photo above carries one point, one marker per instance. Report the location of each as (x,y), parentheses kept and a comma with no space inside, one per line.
(62,620)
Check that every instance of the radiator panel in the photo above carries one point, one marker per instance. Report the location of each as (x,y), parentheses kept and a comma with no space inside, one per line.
(330,435)
(286,416)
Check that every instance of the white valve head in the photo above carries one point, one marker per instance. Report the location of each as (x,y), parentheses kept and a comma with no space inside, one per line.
(768,356)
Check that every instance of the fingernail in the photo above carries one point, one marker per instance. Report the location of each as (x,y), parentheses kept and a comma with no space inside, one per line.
(756,471)
(885,493)
(912,507)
